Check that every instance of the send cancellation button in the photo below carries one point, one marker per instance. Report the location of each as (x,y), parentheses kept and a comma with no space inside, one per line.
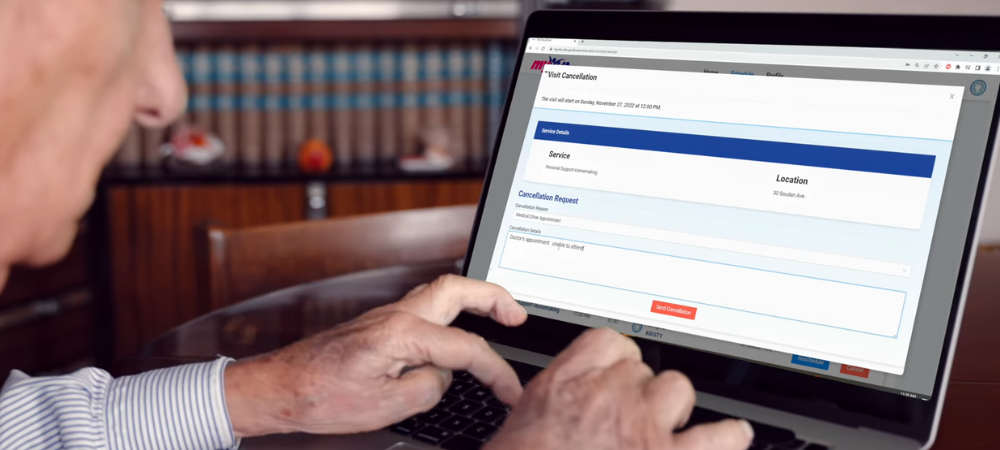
(670,309)
(811,362)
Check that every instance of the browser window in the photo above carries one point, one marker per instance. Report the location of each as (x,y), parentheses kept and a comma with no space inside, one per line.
(772,203)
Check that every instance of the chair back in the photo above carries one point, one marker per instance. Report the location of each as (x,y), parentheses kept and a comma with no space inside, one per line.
(237,264)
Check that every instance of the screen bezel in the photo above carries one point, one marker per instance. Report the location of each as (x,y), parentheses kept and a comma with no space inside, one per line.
(795,392)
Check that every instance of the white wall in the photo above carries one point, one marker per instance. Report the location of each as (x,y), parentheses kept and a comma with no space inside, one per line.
(991,227)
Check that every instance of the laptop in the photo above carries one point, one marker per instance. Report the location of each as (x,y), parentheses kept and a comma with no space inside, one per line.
(783,207)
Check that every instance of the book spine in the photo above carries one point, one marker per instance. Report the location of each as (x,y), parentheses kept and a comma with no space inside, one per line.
(274,102)
(410,86)
(343,114)
(201,87)
(226,99)
(458,76)
(494,87)
(251,146)
(478,145)
(296,112)
(185,59)
(365,105)
(318,76)
(434,87)
(388,76)
(151,140)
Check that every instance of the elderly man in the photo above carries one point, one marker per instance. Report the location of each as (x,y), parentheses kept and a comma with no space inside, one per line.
(74,73)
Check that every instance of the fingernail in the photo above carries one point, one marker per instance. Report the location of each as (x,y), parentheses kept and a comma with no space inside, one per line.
(747,428)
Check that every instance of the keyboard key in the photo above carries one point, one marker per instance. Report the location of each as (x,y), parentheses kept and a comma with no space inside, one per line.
(480,394)
(457,423)
(459,387)
(432,435)
(816,447)
(499,422)
(481,431)
(489,414)
(466,408)
(406,427)
(496,403)
(462,443)
(433,417)
(448,400)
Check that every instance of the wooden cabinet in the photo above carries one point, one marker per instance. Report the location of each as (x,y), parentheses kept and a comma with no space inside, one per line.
(348,199)
(151,229)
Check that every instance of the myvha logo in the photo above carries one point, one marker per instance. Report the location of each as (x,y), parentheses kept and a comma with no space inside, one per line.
(540,64)
(636,328)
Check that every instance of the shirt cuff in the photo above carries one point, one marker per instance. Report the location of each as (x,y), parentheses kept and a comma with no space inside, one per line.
(179,407)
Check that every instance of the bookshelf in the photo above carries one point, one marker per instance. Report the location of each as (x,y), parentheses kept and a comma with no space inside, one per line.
(236,175)
(350,31)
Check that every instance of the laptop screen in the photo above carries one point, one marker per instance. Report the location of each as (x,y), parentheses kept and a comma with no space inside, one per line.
(800,207)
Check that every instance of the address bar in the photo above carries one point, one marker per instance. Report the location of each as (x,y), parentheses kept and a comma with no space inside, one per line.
(735,57)
(715,243)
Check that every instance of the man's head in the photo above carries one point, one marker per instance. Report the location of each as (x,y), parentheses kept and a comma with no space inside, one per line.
(75,73)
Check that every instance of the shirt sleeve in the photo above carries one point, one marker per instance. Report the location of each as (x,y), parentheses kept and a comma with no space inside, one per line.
(181,407)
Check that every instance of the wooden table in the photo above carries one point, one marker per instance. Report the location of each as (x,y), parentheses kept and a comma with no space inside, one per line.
(280,318)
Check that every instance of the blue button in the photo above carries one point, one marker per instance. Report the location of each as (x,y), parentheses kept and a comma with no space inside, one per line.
(811,362)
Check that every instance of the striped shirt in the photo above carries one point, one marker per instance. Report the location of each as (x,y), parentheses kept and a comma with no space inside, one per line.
(182,407)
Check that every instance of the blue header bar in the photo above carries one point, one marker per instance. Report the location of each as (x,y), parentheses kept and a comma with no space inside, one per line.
(875,161)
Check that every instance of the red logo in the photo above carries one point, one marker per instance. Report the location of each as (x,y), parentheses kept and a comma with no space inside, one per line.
(540,65)
(948,66)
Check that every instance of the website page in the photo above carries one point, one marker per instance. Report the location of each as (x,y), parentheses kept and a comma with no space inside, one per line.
(716,197)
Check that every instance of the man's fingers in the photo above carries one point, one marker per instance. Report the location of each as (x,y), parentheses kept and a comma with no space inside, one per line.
(452,348)
(626,374)
(417,391)
(674,397)
(441,301)
(595,349)
(416,291)
(726,435)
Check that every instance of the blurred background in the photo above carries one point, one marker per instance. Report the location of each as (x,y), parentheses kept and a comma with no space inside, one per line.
(299,110)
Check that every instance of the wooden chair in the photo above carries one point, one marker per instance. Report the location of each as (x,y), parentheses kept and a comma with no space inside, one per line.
(237,264)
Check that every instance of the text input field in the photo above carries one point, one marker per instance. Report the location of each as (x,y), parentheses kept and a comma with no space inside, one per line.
(716,243)
(704,285)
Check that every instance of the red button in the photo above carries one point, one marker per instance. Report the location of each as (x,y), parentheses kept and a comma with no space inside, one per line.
(854,371)
(670,309)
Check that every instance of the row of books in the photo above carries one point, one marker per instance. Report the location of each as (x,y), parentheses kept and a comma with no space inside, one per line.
(371,103)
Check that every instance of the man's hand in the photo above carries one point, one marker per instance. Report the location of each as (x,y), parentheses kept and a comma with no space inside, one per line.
(599,395)
(388,364)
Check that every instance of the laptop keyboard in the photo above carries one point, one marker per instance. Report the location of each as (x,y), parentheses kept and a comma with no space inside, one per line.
(465,418)
(468,415)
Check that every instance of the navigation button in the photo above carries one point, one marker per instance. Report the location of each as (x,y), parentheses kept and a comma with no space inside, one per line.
(815,363)
(670,309)
(854,371)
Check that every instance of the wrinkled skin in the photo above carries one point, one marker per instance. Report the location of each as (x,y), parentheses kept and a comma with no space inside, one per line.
(386,365)
(599,395)
(74,73)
